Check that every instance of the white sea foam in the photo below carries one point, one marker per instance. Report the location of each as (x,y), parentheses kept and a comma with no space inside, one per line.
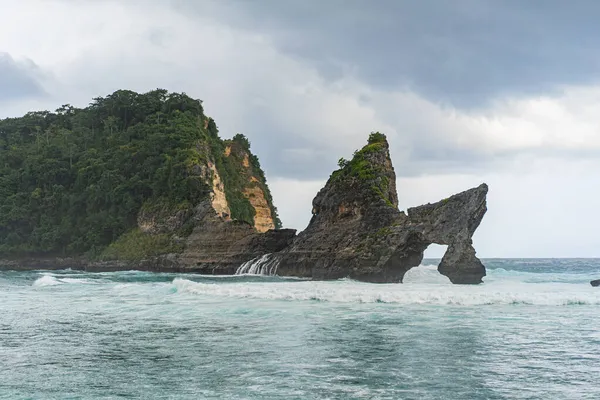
(263,265)
(77,281)
(423,286)
(47,280)
(54,280)
(425,274)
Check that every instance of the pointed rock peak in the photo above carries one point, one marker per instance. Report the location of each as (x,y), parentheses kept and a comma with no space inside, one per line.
(370,169)
(362,185)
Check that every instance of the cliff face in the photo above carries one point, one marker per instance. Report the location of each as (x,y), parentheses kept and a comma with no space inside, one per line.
(219,246)
(233,224)
(218,198)
(253,186)
(357,231)
(223,230)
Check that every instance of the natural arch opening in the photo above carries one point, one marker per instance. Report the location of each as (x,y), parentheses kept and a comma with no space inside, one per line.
(427,272)
(433,254)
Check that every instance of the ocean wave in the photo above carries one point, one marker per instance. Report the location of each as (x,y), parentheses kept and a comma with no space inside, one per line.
(501,274)
(429,274)
(79,281)
(47,280)
(422,285)
(426,294)
(425,274)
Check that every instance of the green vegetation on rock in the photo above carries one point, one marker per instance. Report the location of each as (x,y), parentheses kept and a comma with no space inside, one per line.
(241,178)
(73,181)
(235,180)
(362,169)
(136,245)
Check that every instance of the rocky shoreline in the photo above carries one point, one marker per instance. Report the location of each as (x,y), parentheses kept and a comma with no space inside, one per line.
(356,231)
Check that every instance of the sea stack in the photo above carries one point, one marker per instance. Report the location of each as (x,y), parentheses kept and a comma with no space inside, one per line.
(357,231)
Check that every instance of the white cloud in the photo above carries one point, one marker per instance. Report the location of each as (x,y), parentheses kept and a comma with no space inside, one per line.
(294,116)
(294,200)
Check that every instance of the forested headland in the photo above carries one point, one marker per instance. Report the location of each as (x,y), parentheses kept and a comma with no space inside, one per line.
(73,181)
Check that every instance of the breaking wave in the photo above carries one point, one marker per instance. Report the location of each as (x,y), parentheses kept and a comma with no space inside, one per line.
(263,265)
(423,285)
(52,280)
(47,280)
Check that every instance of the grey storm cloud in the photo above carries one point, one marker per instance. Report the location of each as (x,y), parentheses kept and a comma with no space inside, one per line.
(17,80)
(463,52)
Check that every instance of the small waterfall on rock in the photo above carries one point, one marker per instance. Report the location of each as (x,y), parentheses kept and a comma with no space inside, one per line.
(263,265)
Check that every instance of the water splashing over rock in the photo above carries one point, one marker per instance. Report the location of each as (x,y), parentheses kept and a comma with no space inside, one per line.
(263,265)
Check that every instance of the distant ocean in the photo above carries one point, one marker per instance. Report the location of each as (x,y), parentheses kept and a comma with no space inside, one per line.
(531,331)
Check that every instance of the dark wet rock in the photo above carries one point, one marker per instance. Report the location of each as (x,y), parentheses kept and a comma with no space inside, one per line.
(595,283)
(358,232)
(45,263)
(216,246)
(219,246)
(453,222)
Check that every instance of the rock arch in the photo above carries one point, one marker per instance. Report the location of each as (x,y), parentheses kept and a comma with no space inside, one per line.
(358,232)
(453,222)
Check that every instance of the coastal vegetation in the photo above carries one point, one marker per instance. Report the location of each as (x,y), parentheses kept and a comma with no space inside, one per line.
(73,181)
(364,168)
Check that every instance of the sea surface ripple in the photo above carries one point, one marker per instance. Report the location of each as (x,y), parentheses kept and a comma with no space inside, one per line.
(531,331)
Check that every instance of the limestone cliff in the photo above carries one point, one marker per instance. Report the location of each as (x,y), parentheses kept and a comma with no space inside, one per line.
(263,220)
(235,206)
(218,198)
(221,231)
(357,231)
(252,184)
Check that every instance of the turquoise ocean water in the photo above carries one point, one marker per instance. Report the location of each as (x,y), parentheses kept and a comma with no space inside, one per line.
(531,331)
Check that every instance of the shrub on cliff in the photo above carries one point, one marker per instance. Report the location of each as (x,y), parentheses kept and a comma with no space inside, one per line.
(363,170)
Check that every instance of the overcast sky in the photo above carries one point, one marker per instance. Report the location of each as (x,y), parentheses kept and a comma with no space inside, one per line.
(505,92)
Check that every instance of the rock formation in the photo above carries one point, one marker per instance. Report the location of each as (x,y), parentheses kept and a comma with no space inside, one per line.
(595,283)
(252,184)
(358,232)
(214,213)
(219,246)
